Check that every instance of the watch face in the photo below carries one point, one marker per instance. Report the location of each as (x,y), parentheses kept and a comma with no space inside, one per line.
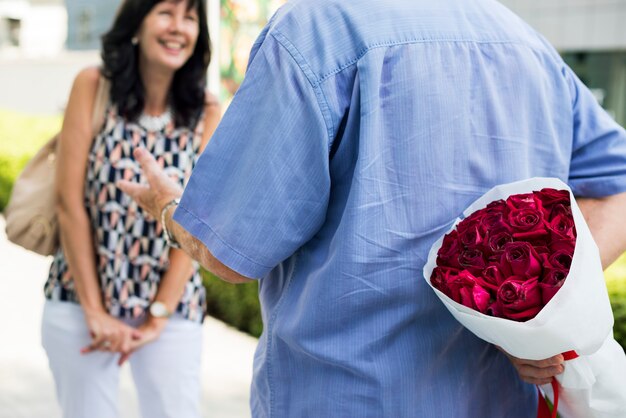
(158,310)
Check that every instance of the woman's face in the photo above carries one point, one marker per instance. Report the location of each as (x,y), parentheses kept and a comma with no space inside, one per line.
(167,36)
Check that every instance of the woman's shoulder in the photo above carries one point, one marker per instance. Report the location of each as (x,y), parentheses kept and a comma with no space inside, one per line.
(212,109)
(88,77)
(210,100)
(210,118)
(84,88)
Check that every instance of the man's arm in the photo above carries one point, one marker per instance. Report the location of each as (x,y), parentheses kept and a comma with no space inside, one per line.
(153,197)
(606,218)
(199,252)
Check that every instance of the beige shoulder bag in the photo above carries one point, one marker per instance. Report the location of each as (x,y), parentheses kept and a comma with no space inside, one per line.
(31,220)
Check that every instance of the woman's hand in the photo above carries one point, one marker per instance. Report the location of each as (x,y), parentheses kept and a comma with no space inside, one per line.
(149,332)
(537,372)
(108,333)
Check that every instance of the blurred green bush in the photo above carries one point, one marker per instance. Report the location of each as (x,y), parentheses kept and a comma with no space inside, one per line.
(20,138)
(616,283)
(237,305)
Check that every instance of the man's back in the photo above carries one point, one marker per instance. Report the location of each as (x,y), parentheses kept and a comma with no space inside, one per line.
(365,128)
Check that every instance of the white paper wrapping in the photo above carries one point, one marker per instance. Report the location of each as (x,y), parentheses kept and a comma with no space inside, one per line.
(578,318)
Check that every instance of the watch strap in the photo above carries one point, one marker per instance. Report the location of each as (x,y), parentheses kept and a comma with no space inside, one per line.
(171,241)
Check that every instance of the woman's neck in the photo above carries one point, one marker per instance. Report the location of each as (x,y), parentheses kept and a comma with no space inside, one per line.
(157,85)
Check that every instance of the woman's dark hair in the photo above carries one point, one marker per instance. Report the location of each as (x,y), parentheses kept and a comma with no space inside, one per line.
(120,65)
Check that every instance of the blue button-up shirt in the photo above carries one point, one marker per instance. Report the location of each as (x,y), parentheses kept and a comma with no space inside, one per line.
(363,128)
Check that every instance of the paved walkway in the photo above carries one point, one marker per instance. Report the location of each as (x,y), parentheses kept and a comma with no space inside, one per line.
(26,386)
(41,85)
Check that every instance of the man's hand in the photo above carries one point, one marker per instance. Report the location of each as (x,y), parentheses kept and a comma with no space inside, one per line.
(153,197)
(537,372)
(161,189)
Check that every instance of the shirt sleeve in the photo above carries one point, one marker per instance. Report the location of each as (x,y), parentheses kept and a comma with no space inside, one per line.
(598,162)
(260,189)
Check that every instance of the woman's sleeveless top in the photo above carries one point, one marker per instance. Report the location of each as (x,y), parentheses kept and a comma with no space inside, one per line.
(131,251)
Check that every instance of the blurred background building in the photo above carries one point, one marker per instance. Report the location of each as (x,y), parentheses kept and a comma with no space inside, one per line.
(591,37)
(87,20)
(32,28)
(588,33)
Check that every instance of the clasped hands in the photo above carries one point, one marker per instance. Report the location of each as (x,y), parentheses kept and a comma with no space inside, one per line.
(109,334)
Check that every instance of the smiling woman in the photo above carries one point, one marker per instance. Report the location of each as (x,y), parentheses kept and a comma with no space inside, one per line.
(118,289)
(173,35)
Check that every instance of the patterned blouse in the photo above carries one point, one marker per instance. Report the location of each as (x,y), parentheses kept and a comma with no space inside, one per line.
(131,251)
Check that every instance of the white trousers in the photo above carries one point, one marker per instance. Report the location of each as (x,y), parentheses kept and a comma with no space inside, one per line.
(166,372)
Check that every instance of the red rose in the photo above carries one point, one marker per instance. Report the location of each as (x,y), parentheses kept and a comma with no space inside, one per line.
(495,309)
(469,222)
(472,236)
(550,197)
(551,283)
(441,276)
(472,260)
(542,250)
(448,254)
(562,227)
(528,225)
(497,205)
(492,278)
(494,222)
(566,245)
(560,209)
(466,290)
(498,240)
(523,201)
(519,299)
(561,259)
(520,259)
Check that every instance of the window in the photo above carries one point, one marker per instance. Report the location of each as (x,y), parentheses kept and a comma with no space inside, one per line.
(13,31)
(605,74)
(84,27)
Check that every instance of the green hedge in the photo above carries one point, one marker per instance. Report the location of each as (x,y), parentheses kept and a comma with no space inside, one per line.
(617,293)
(20,138)
(237,305)
(616,284)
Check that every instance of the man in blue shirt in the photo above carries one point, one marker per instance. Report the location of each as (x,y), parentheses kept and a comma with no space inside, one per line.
(362,130)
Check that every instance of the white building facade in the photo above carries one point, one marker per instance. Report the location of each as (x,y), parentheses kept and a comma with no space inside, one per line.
(32,28)
(591,37)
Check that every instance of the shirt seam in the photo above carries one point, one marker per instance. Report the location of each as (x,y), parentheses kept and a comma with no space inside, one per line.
(374,46)
(301,63)
(270,328)
(221,240)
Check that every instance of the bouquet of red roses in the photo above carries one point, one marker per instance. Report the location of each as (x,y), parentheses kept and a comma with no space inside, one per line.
(510,258)
(522,271)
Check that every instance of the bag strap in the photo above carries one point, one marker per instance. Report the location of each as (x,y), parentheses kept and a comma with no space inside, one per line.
(100,104)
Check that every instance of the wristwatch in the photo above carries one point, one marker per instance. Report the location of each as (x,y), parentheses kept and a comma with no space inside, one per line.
(159,310)
(169,239)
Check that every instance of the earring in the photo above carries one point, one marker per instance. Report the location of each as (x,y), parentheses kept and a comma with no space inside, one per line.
(134,40)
